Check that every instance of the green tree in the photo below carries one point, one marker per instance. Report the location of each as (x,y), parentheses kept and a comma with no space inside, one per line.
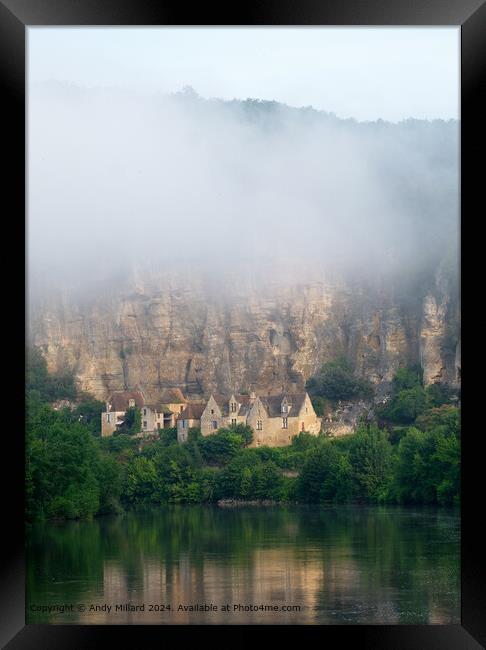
(407,405)
(220,447)
(110,481)
(407,377)
(141,480)
(336,381)
(438,395)
(370,455)
(325,476)
(427,468)
(50,387)
(61,462)
(168,436)
(245,431)
(88,412)
(446,417)
(132,422)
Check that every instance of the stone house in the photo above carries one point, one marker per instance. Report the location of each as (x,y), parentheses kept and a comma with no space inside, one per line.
(190,417)
(173,402)
(116,407)
(275,419)
(221,411)
(155,416)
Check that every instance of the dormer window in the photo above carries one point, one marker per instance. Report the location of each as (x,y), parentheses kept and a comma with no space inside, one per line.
(285,408)
(233,406)
(131,403)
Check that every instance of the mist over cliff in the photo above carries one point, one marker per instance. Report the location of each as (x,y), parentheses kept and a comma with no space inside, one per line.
(175,240)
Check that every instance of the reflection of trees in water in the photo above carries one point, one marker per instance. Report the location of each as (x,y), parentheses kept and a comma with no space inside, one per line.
(401,562)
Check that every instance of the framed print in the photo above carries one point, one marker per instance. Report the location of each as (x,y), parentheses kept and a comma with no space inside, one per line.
(241,246)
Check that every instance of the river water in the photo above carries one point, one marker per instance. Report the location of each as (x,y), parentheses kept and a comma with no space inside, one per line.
(248,565)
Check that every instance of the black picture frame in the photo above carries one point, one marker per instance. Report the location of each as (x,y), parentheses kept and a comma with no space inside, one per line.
(15,17)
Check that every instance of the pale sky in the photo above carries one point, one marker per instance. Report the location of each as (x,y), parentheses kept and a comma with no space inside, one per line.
(364,73)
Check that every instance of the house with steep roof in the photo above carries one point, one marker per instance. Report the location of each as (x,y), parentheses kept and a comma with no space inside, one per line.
(173,402)
(275,419)
(158,415)
(189,418)
(224,411)
(116,406)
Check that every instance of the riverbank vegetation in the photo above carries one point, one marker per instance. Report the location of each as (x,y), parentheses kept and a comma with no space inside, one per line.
(409,455)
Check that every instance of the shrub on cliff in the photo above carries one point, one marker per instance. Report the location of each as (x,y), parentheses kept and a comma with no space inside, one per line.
(51,387)
(336,381)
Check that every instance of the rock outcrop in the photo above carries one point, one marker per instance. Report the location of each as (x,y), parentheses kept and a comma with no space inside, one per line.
(171,331)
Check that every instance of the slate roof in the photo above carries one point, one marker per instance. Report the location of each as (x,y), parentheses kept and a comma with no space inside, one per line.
(192,412)
(273,403)
(245,408)
(119,399)
(223,402)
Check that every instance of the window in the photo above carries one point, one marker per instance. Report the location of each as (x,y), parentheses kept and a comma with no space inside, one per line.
(212,411)
(108,417)
(303,427)
(215,424)
(284,423)
(259,425)
(145,411)
(233,407)
(233,422)
(183,424)
(131,402)
(284,408)
(145,424)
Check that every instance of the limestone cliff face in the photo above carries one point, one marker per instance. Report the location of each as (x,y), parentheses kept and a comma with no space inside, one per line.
(171,332)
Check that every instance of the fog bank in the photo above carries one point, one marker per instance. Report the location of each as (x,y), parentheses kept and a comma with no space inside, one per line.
(122,182)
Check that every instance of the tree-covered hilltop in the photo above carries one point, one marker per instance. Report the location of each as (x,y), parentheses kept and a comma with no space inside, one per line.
(73,473)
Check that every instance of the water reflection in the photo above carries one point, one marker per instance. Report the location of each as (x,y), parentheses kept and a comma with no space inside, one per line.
(337,565)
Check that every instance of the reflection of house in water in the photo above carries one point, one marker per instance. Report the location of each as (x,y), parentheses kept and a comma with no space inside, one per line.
(268,577)
(328,589)
(331,584)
